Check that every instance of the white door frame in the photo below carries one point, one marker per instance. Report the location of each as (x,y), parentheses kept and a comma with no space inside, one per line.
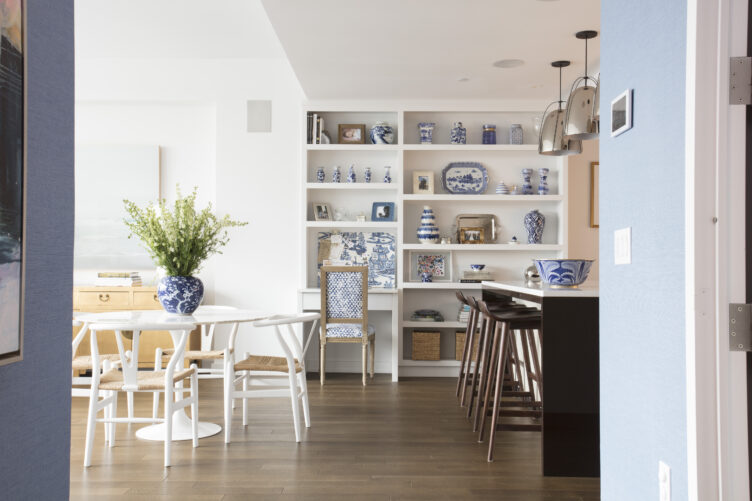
(717,456)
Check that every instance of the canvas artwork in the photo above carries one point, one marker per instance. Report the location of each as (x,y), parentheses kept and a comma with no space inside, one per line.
(11,178)
(376,249)
(432,263)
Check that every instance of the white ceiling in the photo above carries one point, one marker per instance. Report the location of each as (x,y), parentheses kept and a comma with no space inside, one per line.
(387,49)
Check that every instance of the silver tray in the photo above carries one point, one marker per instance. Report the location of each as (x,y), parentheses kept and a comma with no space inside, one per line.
(486,221)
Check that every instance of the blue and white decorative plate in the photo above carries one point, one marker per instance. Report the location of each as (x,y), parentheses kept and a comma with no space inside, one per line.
(467,178)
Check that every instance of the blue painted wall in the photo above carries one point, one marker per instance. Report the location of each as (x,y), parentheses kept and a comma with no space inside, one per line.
(643,404)
(35,393)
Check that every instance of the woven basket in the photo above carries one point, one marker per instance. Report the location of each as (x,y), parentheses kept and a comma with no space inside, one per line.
(459,344)
(426,345)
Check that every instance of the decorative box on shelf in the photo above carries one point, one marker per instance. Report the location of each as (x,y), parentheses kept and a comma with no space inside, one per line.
(426,345)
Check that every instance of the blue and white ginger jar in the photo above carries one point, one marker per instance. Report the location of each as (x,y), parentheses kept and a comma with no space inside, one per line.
(180,295)
(428,232)
(320,176)
(382,133)
(534,224)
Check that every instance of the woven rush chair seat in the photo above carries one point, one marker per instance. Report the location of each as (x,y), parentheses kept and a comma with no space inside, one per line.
(266,363)
(196,354)
(83,362)
(347,330)
(147,380)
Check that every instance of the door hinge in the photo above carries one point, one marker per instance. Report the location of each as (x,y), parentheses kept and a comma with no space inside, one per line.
(740,327)
(740,80)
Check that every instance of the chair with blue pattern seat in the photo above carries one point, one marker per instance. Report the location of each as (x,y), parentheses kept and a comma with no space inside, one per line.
(344,312)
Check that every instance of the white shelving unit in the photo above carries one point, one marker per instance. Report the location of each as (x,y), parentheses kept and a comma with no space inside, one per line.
(503,162)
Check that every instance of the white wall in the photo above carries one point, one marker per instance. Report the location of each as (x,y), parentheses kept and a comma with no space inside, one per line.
(583,240)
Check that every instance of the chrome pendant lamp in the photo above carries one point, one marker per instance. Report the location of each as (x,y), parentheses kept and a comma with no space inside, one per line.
(551,140)
(583,114)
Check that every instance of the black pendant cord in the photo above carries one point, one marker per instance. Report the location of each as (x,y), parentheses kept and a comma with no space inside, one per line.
(560,88)
(586,73)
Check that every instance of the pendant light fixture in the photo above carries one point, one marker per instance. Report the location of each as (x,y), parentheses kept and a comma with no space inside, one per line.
(551,140)
(582,119)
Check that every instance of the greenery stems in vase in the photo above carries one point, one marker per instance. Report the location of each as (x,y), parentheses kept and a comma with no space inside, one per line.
(180,238)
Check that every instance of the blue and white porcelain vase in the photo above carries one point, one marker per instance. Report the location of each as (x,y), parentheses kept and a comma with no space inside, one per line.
(368,174)
(543,185)
(387,175)
(534,224)
(458,135)
(351,178)
(426,277)
(428,232)
(336,175)
(515,134)
(527,187)
(320,176)
(382,133)
(180,295)
(426,132)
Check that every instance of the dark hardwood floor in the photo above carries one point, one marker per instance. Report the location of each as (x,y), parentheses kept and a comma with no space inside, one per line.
(389,441)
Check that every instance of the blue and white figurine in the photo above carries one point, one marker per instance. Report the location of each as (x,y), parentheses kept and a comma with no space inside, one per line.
(527,188)
(320,176)
(543,185)
(180,295)
(351,178)
(534,224)
(426,132)
(382,133)
(515,134)
(502,189)
(428,232)
(368,174)
(387,175)
(426,277)
(458,135)
(336,175)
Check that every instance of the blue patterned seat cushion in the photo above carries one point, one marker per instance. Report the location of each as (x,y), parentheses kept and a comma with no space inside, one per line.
(344,294)
(347,330)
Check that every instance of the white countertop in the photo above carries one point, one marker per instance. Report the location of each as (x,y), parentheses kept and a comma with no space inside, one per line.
(543,290)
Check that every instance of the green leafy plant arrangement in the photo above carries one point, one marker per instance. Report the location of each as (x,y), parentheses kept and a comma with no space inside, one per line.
(179,240)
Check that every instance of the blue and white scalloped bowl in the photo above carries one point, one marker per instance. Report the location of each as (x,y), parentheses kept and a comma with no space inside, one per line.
(564,273)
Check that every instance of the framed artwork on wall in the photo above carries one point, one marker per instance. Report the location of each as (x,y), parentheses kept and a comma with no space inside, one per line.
(594,221)
(438,263)
(621,113)
(13,176)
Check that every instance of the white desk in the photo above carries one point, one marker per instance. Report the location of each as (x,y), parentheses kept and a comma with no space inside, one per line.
(378,300)
(133,320)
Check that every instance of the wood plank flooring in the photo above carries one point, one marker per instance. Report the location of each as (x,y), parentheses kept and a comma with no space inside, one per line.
(388,441)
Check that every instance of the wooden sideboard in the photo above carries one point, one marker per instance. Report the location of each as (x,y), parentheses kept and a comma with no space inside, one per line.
(99,299)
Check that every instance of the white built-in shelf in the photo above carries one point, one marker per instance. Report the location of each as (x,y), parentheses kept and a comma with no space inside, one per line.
(484,247)
(352,224)
(413,324)
(352,186)
(354,147)
(440,285)
(429,363)
(483,198)
(471,147)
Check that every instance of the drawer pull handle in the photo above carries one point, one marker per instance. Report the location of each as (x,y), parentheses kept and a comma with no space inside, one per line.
(104,297)
(155,297)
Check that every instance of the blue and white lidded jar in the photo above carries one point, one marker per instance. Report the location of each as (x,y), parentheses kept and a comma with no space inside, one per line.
(515,134)
(543,185)
(489,134)
(387,175)
(351,178)
(382,133)
(458,134)
(320,176)
(534,224)
(426,132)
(368,174)
(527,187)
(336,175)
(428,232)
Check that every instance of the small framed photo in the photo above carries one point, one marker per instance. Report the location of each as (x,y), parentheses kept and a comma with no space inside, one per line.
(621,113)
(423,182)
(352,134)
(382,211)
(321,212)
(438,263)
(472,235)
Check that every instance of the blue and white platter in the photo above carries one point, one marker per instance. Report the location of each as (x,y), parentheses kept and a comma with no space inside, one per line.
(467,178)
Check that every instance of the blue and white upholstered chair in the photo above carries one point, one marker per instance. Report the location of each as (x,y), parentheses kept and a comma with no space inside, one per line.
(344,312)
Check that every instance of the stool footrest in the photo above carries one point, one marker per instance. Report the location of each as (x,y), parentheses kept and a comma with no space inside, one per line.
(518,413)
(518,427)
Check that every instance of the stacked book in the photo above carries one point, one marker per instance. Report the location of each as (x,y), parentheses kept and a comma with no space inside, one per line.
(427,316)
(315,128)
(118,279)
(475,277)
(464,314)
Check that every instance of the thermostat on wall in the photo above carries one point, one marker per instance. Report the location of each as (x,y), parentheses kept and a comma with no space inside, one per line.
(621,113)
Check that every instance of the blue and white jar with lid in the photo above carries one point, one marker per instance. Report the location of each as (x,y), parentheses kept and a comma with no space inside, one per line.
(382,133)
(428,232)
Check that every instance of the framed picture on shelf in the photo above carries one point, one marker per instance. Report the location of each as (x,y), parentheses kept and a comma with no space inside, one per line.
(352,134)
(594,221)
(321,212)
(423,182)
(438,263)
(472,235)
(382,211)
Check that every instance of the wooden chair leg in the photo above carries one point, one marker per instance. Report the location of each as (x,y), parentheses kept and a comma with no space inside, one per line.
(365,361)
(482,346)
(466,354)
(322,363)
(373,355)
(490,325)
(504,342)
(526,334)
(537,364)
(492,361)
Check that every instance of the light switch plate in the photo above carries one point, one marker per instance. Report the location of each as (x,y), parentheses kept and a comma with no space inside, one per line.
(623,246)
(664,481)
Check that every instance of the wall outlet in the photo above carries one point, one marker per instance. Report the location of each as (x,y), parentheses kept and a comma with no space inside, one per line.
(623,246)
(664,481)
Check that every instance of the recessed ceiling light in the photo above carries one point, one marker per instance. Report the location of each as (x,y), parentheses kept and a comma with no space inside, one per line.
(463,79)
(508,63)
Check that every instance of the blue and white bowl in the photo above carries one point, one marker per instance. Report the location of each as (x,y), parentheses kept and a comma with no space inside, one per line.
(564,273)
(477,267)
(180,295)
